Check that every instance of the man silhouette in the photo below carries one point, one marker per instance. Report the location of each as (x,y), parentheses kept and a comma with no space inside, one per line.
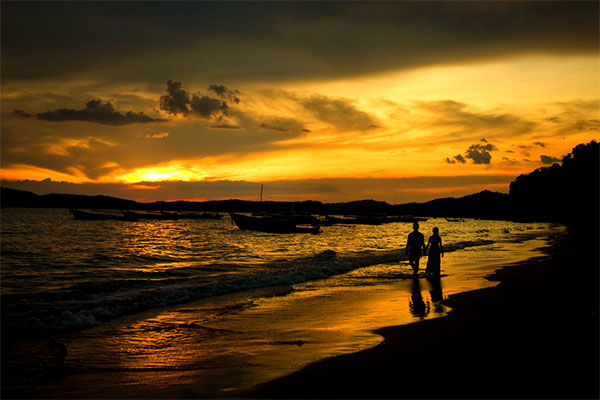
(415,247)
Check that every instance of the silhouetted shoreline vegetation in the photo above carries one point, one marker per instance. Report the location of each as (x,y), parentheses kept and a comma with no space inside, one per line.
(566,192)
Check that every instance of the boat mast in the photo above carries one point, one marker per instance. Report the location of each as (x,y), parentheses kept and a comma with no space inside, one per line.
(260,200)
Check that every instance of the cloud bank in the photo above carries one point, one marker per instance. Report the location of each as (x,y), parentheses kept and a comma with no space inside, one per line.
(94,111)
(344,38)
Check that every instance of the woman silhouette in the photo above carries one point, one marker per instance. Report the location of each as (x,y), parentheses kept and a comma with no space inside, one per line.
(436,250)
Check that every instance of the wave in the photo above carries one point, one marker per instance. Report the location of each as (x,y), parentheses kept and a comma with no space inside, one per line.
(88,303)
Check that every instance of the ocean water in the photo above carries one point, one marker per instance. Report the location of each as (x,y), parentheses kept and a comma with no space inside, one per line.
(198,307)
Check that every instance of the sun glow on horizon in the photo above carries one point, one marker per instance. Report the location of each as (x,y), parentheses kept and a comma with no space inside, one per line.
(175,171)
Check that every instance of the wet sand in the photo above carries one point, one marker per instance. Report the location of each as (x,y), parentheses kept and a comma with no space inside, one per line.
(535,335)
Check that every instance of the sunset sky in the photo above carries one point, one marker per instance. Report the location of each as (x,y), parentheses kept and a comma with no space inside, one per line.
(335,101)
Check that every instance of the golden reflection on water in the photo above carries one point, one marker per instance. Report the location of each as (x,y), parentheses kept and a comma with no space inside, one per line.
(233,341)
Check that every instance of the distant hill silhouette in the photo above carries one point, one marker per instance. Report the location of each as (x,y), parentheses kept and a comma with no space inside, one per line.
(485,204)
(21,198)
(562,193)
(360,207)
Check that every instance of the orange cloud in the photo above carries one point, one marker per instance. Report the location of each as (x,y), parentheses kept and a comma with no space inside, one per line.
(160,135)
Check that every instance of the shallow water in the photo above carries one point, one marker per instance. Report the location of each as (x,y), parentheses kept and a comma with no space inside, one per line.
(198,307)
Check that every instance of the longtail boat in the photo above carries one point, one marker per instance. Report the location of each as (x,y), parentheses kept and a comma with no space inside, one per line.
(99,216)
(271,224)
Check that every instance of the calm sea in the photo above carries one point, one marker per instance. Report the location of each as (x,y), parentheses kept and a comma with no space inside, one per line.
(79,280)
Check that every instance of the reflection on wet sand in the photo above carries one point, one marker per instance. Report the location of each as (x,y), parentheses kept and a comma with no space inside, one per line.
(436,293)
(421,308)
(417,306)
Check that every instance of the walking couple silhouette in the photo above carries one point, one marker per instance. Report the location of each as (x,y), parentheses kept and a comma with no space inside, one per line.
(415,248)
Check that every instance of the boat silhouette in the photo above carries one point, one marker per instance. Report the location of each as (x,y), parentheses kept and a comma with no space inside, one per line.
(271,224)
(99,216)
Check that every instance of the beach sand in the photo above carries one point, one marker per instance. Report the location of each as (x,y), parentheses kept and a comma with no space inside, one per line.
(535,335)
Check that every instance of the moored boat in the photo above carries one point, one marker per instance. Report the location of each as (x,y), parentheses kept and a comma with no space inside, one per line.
(271,224)
(99,216)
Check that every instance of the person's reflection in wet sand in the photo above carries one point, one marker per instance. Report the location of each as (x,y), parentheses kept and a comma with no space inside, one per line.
(416,305)
(436,293)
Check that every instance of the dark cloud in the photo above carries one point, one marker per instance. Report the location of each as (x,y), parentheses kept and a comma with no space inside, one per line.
(98,112)
(304,39)
(282,125)
(548,160)
(484,140)
(338,112)
(21,113)
(177,101)
(480,154)
(273,127)
(225,126)
(208,107)
(540,144)
(225,93)
(457,158)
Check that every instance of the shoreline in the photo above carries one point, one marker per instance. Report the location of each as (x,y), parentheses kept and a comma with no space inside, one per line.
(534,335)
(391,371)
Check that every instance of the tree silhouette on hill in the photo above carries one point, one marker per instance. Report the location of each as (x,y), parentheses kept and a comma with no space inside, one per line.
(567,192)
